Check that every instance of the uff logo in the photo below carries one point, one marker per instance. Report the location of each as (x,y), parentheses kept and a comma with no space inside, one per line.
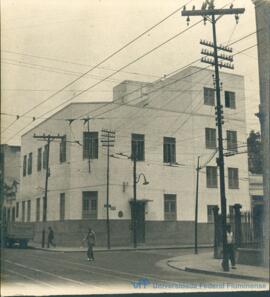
(141,283)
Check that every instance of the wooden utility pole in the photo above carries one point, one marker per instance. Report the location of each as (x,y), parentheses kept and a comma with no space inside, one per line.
(47,138)
(209,13)
(196,206)
(134,157)
(108,139)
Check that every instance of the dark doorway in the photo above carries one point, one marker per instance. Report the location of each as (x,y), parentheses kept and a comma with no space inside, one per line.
(140,220)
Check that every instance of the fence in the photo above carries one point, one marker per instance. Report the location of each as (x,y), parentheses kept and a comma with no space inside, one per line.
(247,229)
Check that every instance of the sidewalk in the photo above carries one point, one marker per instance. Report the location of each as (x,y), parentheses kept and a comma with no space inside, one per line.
(35,245)
(206,264)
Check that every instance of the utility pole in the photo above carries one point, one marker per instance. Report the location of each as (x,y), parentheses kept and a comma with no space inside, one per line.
(134,157)
(108,139)
(47,138)
(209,14)
(196,206)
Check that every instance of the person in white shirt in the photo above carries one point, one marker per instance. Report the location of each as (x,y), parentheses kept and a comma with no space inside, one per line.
(230,245)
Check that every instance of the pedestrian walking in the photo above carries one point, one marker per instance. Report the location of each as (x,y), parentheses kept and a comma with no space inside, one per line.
(50,238)
(90,238)
(230,246)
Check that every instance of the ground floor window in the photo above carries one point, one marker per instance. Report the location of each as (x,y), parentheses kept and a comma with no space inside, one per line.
(23,211)
(169,207)
(62,206)
(28,210)
(38,210)
(44,209)
(89,205)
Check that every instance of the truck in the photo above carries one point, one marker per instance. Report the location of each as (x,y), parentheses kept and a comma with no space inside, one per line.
(18,233)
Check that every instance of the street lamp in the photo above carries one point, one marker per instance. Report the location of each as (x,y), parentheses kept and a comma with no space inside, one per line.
(145,182)
(136,179)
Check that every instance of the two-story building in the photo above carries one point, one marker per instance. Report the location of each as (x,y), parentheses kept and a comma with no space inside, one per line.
(166,124)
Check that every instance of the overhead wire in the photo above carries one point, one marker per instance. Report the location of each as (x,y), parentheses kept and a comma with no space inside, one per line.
(123,104)
(104,60)
(126,66)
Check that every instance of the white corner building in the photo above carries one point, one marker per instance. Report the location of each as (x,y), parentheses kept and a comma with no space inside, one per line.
(168,123)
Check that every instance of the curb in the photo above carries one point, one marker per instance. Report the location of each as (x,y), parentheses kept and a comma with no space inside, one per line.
(219,273)
(121,249)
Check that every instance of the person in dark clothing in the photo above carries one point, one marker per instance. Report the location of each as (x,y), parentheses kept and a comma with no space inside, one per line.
(90,239)
(230,246)
(50,238)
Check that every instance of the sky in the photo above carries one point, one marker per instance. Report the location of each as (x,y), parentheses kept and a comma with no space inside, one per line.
(46,45)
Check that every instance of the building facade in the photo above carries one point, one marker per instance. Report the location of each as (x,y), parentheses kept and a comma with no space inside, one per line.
(166,124)
(9,181)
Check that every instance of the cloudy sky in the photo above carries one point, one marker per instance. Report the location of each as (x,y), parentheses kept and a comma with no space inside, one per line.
(48,44)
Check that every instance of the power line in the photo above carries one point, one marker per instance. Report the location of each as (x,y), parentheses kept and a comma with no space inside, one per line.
(76,63)
(246,36)
(123,104)
(104,60)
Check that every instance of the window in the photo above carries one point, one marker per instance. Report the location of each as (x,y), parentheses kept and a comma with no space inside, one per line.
(28,210)
(169,207)
(63,148)
(45,156)
(23,211)
(24,165)
(90,145)
(29,167)
(62,206)
(39,153)
(44,209)
(210,213)
(169,150)
(233,178)
(211,177)
(209,96)
(38,210)
(17,209)
(89,205)
(230,99)
(210,138)
(232,141)
(137,146)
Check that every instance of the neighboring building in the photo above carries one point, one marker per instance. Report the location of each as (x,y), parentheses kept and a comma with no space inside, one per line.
(9,181)
(168,123)
(262,8)
(257,201)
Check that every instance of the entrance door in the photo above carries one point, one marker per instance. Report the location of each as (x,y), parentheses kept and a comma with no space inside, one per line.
(140,213)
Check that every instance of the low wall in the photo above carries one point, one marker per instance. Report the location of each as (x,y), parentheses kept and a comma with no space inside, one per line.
(249,256)
(71,232)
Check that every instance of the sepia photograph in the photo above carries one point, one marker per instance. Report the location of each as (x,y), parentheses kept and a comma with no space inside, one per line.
(135,151)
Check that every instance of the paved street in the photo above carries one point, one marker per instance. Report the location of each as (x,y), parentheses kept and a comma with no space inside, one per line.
(39,272)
